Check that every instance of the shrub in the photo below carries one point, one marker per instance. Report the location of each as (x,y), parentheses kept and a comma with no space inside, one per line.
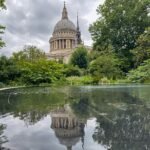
(106,66)
(41,71)
(141,74)
(72,71)
(80,58)
(84,80)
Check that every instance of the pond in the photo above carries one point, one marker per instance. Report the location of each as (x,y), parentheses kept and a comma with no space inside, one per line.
(75,118)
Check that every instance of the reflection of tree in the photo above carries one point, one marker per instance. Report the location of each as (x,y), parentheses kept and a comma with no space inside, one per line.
(130,130)
(3,139)
(123,121)
(31,105)
(81,107)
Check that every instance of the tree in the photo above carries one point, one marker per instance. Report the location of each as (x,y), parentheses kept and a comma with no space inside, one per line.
(106,66)
(9,70)
(72,71)
(141,74)
(120,24)
(2,6)
(142,51)
(29,53)
(80,58)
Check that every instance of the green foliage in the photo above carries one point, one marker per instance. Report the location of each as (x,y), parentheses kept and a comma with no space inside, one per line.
(72,71)
(106,66)
(80,58)
(141,74)
(120,24)
(29,54)
(2,6)
(41,71)
(142,51)
(9,71)
(29,67)
(84,80)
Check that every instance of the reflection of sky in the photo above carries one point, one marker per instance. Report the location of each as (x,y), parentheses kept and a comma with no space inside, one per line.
(41,137)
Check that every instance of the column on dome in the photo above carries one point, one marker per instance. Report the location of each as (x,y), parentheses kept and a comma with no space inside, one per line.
(59,44)
(62,44)
(54,45)
(65,44)
(70,43)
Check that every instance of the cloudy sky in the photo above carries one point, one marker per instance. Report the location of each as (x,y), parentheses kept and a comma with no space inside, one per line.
(31,22)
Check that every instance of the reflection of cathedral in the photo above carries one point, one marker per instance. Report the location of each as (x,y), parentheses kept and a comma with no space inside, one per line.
(66,36)
(68,128)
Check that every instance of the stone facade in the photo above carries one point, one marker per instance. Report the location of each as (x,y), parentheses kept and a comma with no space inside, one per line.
(65,38)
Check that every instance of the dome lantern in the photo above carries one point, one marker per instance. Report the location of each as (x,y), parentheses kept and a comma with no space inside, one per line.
(64,13)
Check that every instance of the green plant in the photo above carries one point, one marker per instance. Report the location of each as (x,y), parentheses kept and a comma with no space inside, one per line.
(80,58)
(141,74)
(106,66)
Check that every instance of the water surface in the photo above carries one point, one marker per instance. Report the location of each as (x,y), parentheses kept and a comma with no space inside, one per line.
(77,118)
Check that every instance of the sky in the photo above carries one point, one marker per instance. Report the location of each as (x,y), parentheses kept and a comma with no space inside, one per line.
(31,22)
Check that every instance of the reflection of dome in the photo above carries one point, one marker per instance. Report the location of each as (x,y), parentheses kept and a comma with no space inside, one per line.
(64,24)
(68,128)
(69,142)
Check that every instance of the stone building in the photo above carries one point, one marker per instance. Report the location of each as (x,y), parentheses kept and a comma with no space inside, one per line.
(65,38)
(67,127)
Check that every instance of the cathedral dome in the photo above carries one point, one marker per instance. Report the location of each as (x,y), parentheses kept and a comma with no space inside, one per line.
(64,24)
(65,38)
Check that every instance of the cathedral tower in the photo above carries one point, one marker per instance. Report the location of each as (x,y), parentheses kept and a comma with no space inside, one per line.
(78,35)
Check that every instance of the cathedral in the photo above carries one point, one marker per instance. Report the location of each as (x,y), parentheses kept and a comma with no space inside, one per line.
(65,38)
